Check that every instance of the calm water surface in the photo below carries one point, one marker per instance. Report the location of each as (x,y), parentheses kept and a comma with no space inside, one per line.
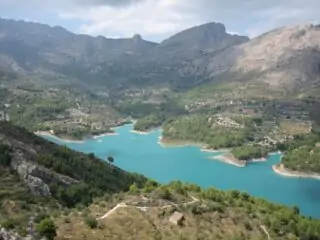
(143,154)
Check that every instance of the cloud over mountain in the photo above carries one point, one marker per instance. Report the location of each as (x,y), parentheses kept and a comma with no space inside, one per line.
(157,19)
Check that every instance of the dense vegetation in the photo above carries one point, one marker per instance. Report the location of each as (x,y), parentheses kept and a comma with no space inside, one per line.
(47,229)
(304,159)
(283,221)
(149,122)
(137,109)
(98,177)
(80,133)
(302,153)
(34,109)
(155,114)
(4,155)
(199,128)
(247,152)
(86,177)
(70,111)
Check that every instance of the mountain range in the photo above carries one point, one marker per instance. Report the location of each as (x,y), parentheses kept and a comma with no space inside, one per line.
(31,48)
(287,58)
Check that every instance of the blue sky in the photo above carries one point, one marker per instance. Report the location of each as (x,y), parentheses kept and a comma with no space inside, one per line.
(158,19)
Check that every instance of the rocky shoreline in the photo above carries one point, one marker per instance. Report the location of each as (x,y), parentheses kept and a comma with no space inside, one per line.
(164,142)
(140,132)
(281,170)
(226,157)
(256,160)
(230,159)
(50,134)
(66,139)
(105,134)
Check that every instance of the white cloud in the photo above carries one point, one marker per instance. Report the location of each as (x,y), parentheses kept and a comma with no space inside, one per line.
(157,19)
(151,18)
(64,4)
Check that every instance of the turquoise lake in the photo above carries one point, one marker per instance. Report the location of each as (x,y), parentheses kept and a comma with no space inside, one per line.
(143,154)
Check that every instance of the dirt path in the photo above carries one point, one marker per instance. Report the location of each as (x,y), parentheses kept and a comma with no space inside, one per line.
(120,205)
(264,229)
(194,200)
(123,205)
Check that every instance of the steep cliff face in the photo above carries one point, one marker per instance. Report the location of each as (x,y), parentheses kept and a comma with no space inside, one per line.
(210,37)
(36,177)
(43,165)
(287,58)
(30,174)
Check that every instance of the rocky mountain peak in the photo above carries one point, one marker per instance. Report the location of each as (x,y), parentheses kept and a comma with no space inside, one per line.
(137,38)
(209,37)
(285,58)
(212,28)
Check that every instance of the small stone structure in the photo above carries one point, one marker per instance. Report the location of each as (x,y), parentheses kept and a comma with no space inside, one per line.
(177,218)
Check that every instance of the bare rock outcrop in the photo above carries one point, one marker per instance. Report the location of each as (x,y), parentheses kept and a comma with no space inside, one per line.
(36,177)
(287,58)
(10,235)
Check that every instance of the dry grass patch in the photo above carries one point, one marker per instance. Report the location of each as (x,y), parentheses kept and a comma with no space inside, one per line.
(153,223)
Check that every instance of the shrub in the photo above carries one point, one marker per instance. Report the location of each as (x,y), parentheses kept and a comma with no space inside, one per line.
(178,187)
(106,196)
(80,206)
(47,229)
(134,189)
(25,206)
(91,222)
(66,212)
(247,225)
(9,224)
(40,217)
(55,214)
(164,193)
(23,232)
(150,186)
